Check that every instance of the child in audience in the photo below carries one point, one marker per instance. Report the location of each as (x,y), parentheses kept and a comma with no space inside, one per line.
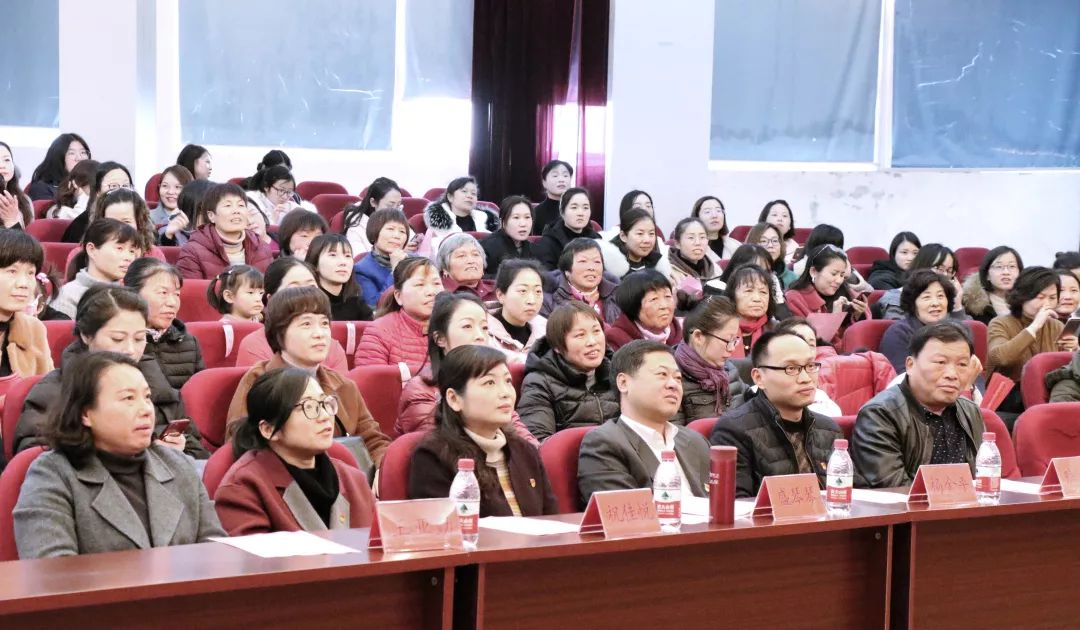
(108,249)
(237,293)
(47,288)
(332,258)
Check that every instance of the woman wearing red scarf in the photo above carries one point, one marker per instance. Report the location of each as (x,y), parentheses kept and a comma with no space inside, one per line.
(710,333)
(749,288)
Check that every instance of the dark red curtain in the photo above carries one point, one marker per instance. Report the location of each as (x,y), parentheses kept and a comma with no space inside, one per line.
(528,57)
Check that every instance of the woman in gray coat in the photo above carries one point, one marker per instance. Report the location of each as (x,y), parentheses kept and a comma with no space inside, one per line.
(107,485)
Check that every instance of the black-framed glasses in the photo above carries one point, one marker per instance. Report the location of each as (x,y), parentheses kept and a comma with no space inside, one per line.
(793,370)
(311,407)
(731,343)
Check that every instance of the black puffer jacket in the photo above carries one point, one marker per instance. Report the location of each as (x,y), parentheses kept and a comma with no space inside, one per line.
(886,274)
(555,395)
(177,352)
(764,450)
(167,403)
(554,240)
(498,246)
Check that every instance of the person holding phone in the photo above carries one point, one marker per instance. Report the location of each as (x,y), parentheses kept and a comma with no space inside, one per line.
(822,289)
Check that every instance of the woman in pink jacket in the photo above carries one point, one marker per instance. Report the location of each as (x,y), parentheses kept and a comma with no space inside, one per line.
(398,336)
(222,238)
(822,289)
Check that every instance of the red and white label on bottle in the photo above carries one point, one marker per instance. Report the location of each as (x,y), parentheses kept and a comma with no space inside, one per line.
(668,509)
(469,517)
(987,479)
(838,489)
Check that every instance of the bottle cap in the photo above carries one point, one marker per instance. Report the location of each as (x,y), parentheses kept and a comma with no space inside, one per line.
(989,436)
(667,456)
(840,443)
(466,464)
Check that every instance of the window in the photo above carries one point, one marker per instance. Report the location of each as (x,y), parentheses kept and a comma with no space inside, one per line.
(795,80)
(30,56)
(986,83)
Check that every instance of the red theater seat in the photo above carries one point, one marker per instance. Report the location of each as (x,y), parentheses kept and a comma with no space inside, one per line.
(220,341)
(13,404)
(434,194)
(394,472)
(413,206)
(348,334)
(866,254)
(150,192)
(866,334)
(60,333)
(1044,432)
(703,426)
(380,386)
(194,306)
(10,484)
(41,206)
(206,397)
(329,204)
(1033,377)
(560,456)
(308,190)
(48,230)
(739,232)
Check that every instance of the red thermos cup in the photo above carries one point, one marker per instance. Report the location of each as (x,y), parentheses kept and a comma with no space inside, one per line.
(722,485)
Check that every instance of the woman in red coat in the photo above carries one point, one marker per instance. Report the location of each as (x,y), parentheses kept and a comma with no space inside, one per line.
(284,480)
(222,238)
(822,288)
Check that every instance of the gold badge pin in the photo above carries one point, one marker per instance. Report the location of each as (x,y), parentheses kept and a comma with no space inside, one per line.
(532,482)
(341,518)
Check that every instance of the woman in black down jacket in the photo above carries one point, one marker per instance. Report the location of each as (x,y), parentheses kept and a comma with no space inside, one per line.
(176,350)
(568,376)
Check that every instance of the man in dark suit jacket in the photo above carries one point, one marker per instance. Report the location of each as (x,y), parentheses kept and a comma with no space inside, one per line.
(624,452)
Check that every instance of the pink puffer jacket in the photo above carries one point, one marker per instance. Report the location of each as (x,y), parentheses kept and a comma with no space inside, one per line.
(392,339)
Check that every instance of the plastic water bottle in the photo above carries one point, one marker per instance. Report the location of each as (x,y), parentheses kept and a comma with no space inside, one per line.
(465,493)
(667,493)
(988,471)
(839,479)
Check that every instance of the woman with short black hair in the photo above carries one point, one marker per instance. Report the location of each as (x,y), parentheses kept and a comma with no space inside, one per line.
(647,302)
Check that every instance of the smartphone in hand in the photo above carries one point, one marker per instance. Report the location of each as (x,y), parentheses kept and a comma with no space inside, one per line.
(176,427)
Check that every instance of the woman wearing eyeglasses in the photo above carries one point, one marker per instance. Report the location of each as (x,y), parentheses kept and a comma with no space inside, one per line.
(297,328)
(710,336)
(985,292)
(770,237)
(934,257)
(275,193)
(284,478)
(749,290)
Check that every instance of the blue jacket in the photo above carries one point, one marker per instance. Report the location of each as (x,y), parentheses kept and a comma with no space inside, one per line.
(373,278)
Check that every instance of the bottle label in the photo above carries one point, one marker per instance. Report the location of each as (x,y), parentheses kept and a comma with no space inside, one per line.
(988,479)
(668,503)
(469,517)
(838,489)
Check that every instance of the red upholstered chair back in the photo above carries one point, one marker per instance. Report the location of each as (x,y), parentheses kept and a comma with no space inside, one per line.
(60,333)
(874,296)
(348,334)
(239,181)
(801,234)
(206,397)
(48,230)
(739,232)
(222,459)
(194,307)
(517,373)
(703,426)
(308,190)
(41,206)
(866,254)
(866,334)
(560,456)
(1009,469)
(434,194)
(1044,432)
(847,425)
(979,336)
(394,472)
(56,255)
(413,206)
(171,252)
(219,346)
(329,204)
(150,192)
(10,484)
(851,380)
(13,404)
(1033,377)
(416,223)
(862,268)
(968,260)
(337,223)
(380,385)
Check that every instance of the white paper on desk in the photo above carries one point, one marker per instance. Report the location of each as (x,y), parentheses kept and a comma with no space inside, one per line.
(698,506)
(878,496)
(744,508)
(527,526)
(285,544)
(1021,487)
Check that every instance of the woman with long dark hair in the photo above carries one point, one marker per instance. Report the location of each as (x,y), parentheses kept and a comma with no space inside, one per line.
(67,150)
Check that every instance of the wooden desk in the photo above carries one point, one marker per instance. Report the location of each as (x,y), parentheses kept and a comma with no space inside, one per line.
(1016,565)
(217,586)
(830,573)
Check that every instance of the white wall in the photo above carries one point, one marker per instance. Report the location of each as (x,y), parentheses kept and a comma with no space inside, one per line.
(659,107)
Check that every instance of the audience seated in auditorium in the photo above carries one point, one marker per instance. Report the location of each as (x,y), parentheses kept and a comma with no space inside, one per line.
(1069,296)
(274,193)
(636,200)
(926,299)
(648,311)
(460,260)
(188,203)
(107,250)
(24,346)
(1068,261)
(16,209)
(710,334)
(985,292)
(749,291)
(106,484)
(167,339)
(456,211)
(556,177)
(511,240)
(45,289)
(568,382)
(579,277)
(575,213)
(778,213)
(389,244)
(889,274)
(776,433)
(710,211)
(382,194)
(112,319)
(923,419)
(67,150)
(283,478)
(332,258)
(823,354)
(237,293)
(74,191)
(825,234)
(1064,382)
(822,289)
(516,325)
(398,334)
(298,330)
(749,254)
(273,157)
(222,238)
(197,160)
(298,228)
(110,176)
(635,247)
(934,257)
(692,271)
(768,237)
(170,222)
(458,319)
(476,404)
(623,453)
